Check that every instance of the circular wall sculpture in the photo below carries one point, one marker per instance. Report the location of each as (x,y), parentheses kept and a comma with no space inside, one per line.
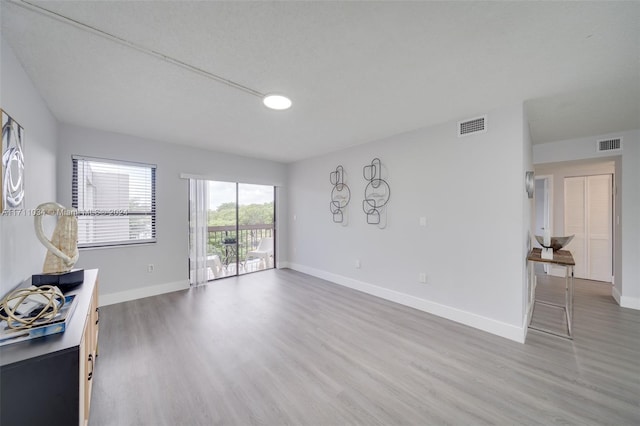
(376,194)
(340,195)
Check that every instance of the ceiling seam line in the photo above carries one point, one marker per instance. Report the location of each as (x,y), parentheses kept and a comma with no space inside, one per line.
(124,42)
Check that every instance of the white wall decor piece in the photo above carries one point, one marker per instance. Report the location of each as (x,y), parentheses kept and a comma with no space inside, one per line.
(62,248)
(12,179)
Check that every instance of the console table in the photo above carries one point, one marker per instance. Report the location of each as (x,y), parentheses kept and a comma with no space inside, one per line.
(561,258)
(47,380)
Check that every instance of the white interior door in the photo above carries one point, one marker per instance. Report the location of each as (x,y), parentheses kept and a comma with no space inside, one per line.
(599,221)
(588,216)
(575,221)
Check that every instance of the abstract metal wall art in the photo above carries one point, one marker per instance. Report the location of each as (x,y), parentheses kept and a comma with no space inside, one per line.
(340,194)
(12,177)
(376,194)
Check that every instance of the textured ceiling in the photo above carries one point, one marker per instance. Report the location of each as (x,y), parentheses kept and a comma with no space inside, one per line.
(356,71)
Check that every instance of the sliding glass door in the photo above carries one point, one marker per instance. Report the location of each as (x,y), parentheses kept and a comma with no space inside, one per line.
(256,214)
(232,229)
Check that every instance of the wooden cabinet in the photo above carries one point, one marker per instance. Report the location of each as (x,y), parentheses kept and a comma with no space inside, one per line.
(89,353)
(48,380)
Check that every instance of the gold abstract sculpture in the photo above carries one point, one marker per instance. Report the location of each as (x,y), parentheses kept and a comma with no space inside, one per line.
(62,248)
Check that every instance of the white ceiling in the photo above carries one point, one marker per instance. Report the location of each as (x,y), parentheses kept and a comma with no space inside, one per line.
(356,71)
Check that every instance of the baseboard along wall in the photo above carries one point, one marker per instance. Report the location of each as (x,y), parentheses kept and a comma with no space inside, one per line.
(142,292)
(508,331)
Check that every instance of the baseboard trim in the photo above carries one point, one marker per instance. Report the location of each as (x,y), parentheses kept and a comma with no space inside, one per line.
(142,292)
(630,302)
(615,294)
(489,325)
(625,301)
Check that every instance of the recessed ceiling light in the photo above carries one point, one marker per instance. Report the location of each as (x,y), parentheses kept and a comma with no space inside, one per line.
(276,102)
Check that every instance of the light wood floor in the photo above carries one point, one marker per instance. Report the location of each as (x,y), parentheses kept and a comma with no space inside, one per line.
(283,348)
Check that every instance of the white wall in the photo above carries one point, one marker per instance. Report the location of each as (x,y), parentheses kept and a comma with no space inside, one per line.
(123,270)
(21,254)
(627,267)
(473,247)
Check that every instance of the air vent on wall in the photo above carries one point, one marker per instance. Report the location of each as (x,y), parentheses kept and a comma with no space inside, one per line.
(472,126)
(614,144)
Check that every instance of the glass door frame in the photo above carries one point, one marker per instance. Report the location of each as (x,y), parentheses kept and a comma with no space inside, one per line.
(273,231)
(237,245)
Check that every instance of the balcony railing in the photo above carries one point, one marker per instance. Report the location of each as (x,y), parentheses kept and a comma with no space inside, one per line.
(248,238)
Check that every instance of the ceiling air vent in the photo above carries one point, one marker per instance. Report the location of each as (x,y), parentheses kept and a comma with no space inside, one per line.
(472,126)
(604,145)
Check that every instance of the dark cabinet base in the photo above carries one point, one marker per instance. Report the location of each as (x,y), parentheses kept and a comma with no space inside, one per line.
(42,391)
(47,380)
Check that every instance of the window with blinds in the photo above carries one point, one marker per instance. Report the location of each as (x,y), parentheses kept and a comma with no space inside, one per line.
(116,202)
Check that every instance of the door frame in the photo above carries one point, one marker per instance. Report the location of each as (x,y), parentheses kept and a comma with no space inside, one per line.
(548,207)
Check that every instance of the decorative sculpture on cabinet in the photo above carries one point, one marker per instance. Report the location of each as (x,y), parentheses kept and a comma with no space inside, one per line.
(62,248)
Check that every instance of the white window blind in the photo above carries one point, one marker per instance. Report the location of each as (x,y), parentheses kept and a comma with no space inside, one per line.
(116,202)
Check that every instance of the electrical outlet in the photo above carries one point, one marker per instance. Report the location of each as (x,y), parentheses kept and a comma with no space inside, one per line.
(150,267)
(422,277)
(423,221)
(358,264)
